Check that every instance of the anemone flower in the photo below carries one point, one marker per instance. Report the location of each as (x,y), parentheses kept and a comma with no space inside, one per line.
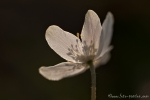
(88,50)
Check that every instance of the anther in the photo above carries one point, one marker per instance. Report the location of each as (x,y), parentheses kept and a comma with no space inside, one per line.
(78,35)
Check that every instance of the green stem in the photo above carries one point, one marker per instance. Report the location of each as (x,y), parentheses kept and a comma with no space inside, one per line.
(93,79)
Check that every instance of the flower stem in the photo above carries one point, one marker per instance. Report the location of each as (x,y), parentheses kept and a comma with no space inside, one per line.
(93,79)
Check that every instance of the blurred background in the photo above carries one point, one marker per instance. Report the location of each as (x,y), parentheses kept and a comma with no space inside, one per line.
(24,49)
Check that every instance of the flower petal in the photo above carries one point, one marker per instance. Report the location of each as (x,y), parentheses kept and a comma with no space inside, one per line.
(62,70)
(107,30)
(62,42)
(91,30)
(103,60)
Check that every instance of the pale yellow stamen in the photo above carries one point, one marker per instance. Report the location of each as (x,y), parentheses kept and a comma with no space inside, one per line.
(78,35)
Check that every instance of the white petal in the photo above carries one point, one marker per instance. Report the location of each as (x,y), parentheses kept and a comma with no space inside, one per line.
(61,42)
(107,30)
(103,60)
(62,70)
(91,30)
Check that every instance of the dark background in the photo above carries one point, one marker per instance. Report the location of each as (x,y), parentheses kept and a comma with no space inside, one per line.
(24,49)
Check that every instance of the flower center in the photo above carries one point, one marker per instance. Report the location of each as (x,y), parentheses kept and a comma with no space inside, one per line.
(84,54)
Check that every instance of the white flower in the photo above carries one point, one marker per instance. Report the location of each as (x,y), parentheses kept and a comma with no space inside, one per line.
(93,47)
